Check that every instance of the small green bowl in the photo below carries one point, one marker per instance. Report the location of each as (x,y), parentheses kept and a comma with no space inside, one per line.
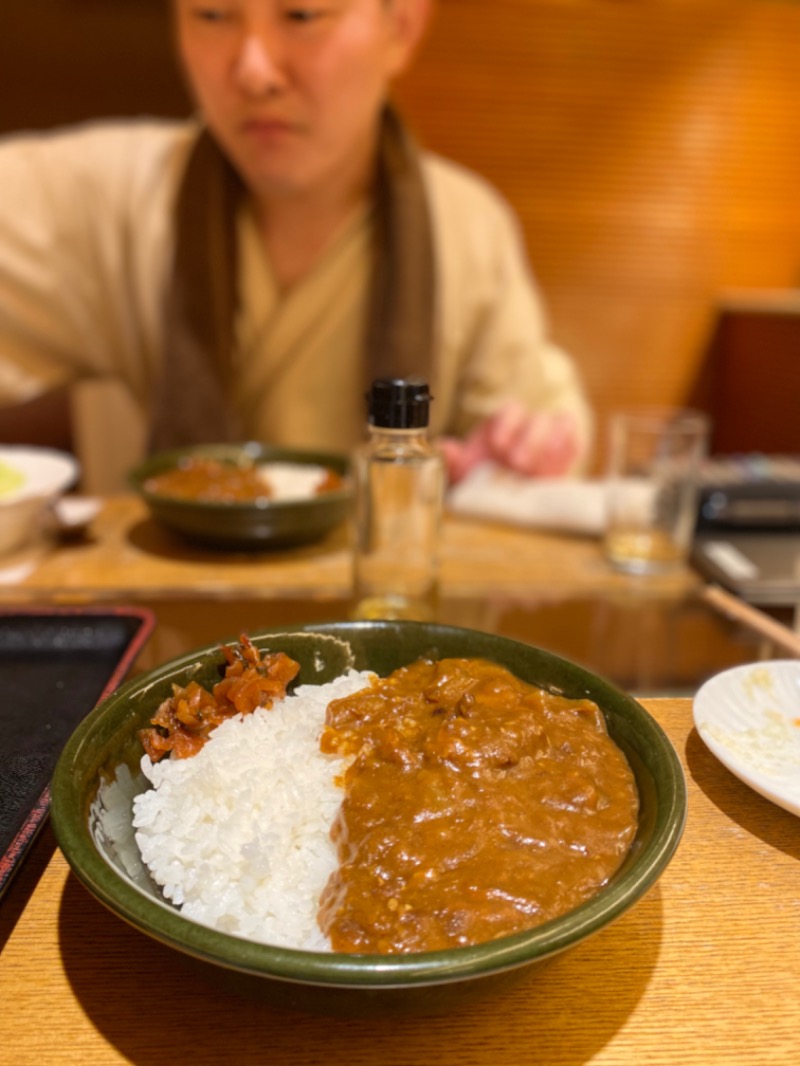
(246,526)
(107,861)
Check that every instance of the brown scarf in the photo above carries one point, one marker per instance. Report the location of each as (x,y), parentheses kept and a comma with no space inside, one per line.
(192,398)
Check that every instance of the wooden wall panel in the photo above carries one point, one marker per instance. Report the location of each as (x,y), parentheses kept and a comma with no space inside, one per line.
(650,147)
(652,151)
(64,61)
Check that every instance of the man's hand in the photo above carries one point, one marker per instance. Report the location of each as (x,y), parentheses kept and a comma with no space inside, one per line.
(535,444)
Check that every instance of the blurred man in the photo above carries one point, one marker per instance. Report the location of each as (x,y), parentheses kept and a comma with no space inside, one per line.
(246,275)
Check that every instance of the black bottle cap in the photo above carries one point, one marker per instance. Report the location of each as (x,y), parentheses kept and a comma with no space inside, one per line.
(399,403)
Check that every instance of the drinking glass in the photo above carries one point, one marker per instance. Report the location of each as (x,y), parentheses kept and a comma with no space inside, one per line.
(654,462)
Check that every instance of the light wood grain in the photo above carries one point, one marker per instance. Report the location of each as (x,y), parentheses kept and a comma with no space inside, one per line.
(128,553)
(651,152)
(704,969)
(650,634)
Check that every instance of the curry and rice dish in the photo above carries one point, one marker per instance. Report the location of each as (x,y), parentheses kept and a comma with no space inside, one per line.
(445,805)
(214,481)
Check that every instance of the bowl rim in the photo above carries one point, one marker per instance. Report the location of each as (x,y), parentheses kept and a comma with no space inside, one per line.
(259,452)
(63,473)
(163,922)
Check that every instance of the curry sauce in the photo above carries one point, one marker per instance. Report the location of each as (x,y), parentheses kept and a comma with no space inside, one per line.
(211,480)
(216,481)
(476,806)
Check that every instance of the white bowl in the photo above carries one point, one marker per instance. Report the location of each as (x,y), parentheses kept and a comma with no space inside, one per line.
(749,717)
(46,474)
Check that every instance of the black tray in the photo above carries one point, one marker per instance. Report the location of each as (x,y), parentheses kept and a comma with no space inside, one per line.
(56,664)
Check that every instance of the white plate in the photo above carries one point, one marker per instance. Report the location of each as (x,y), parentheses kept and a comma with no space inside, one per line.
(749,717)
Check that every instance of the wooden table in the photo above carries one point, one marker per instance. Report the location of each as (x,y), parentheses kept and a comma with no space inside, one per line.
(704,969)
(127,552)
(548,589)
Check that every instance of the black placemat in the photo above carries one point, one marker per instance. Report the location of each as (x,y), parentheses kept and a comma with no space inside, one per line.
(55,666)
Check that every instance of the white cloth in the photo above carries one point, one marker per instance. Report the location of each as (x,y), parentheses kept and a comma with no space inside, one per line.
(566,504)
(570,505)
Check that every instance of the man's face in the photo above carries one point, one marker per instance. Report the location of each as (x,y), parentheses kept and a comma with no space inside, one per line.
(292,88)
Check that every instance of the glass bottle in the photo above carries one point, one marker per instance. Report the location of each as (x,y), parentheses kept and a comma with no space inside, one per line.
(399,484)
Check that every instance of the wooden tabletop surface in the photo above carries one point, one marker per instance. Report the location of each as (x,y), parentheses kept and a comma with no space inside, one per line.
(704,969)
(126,550)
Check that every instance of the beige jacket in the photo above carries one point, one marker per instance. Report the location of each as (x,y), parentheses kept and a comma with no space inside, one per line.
(85,249)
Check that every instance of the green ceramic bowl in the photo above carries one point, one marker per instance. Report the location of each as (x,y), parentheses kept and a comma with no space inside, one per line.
(92,820)
(247,526)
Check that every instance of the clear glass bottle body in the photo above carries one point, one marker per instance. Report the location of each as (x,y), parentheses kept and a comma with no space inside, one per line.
(399,480)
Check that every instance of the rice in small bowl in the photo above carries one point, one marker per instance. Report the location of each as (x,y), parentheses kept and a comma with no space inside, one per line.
(98,780)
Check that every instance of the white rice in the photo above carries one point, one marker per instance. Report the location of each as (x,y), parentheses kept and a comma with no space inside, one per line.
(292,481)
(238,835)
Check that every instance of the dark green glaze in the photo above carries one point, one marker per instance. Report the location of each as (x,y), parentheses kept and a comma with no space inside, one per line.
(107,738)
(247,526)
